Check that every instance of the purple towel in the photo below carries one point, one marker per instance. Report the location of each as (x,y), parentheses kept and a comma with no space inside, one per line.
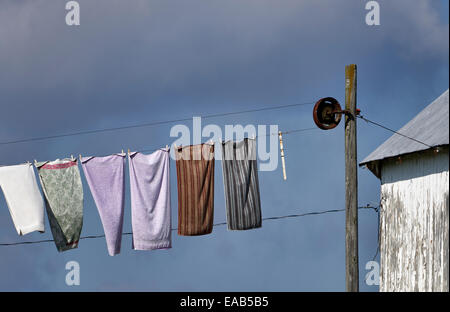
(150,200)
(105,176)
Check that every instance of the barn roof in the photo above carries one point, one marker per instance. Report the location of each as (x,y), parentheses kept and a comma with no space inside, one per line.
(430,126)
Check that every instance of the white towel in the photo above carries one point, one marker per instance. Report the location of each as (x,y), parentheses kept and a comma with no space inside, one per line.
(22,195)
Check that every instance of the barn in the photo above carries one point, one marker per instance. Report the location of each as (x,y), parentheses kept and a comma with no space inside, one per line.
(414,210)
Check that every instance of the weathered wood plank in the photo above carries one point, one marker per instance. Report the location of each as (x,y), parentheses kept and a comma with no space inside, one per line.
(414,222)
(351,182)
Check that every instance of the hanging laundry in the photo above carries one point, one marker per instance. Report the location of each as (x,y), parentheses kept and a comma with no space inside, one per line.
(23,198)
(150,200)
(61,183)
(240,180)
(195,181)
(105,177)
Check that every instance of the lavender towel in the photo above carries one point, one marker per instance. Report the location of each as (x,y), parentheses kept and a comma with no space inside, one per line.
(150,200)
(105,176)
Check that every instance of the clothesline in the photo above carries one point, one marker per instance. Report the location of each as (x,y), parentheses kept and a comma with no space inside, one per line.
(287,132)
(149,189)
(218,142)
(375,208)
(156,123)
(190,178)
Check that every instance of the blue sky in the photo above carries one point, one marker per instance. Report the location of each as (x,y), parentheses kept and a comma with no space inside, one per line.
(141,61)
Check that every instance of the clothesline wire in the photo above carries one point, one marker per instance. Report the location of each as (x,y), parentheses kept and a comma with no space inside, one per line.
(269,134)
(391,130)
(375,208)
(155,123)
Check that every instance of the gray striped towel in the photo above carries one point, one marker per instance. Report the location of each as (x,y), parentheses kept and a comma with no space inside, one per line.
(240,179)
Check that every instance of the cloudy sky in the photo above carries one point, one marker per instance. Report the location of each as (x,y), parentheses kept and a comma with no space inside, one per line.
(140,61)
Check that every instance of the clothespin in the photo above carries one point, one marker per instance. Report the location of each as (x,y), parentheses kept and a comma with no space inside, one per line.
(167,146)
(71,157)
(280,136)
(35,162)
(80,157)
(123,154)
(128,152)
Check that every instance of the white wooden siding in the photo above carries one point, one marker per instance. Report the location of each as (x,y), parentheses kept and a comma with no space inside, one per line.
(414,222)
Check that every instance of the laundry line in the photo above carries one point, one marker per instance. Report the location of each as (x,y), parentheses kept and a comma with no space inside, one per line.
(154,149)
(221,141)
(313,213)
(155,123)
(63,189)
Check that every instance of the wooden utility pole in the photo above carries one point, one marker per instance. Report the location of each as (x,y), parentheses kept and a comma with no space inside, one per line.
(351,183)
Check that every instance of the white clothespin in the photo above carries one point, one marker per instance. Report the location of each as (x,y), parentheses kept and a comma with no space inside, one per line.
(72,158)
(122,153)
(35,162)
(80,157)
(167,147)
(280,136)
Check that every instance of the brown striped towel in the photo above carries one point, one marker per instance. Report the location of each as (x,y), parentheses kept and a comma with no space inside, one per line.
(240,179)
(195,181)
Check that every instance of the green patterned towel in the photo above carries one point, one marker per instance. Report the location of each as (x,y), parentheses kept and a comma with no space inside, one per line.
(63,192)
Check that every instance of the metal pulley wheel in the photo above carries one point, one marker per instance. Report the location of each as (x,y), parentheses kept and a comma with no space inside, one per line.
(327,113)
